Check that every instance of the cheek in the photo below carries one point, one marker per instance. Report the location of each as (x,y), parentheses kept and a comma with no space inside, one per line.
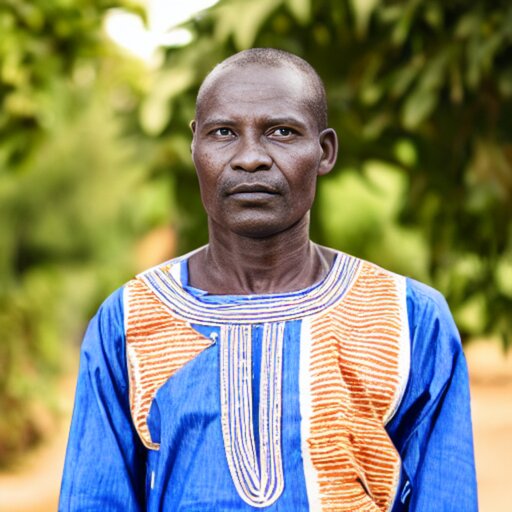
(304,176)
(202,161)
(206,171)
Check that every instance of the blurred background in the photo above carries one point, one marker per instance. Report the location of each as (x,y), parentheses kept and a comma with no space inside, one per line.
(96,181)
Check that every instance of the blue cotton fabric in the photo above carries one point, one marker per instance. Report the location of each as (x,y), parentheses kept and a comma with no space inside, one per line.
(108,468)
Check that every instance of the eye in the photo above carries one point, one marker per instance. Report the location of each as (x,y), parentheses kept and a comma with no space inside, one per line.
(222,132)
(283,132)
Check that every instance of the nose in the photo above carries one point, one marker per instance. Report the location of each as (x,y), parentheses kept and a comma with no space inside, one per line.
(251,156)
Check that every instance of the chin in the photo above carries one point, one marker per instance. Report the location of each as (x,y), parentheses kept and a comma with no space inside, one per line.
(258,224)
(263,228)
(257,231)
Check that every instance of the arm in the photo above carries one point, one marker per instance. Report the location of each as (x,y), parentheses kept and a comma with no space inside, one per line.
(105,460)
(432,429)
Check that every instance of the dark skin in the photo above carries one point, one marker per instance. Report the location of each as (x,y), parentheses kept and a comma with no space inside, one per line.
(258,152)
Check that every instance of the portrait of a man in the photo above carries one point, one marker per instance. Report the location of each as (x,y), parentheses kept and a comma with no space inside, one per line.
(262,370)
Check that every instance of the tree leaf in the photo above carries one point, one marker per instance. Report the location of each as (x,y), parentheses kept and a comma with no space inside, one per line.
(301,9)
(157,107)
(363,10)
(418,107)
(243,20)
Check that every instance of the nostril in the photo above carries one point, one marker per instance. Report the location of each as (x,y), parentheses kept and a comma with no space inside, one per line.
(251,167)
(251,161)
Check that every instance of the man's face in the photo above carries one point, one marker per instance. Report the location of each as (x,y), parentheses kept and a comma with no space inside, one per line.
(258,151)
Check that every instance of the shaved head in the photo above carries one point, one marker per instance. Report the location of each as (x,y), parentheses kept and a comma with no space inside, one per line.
(315,98)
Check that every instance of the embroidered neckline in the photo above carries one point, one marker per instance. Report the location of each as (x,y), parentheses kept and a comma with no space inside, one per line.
(258,482)
(258,308)
(261,483)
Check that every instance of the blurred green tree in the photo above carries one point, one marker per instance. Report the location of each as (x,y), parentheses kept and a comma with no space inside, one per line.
(68,168)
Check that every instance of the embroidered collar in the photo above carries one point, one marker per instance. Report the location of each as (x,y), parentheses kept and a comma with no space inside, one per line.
(164,282)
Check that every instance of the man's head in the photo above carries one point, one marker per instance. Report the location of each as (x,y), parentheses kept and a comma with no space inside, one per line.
(315,97)
(260,142)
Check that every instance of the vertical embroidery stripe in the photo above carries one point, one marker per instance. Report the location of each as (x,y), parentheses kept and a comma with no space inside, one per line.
(357,372)
(261,483)
(306,407)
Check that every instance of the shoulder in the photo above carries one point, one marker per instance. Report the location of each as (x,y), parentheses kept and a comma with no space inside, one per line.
(428,309)
(428,313)
(111,310)
(105,332)
(436,348)
(176,267)
(147,290)
(421,298)
(368,268)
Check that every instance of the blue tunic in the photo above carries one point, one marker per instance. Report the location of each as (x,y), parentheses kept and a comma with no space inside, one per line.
(185,450)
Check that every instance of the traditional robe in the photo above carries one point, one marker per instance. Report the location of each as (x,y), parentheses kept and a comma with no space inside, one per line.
(350,395)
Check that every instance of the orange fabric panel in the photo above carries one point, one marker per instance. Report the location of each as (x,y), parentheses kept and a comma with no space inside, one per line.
(157,346)
(355,378)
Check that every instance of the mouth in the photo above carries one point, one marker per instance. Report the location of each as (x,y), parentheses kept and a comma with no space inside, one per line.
(252,188)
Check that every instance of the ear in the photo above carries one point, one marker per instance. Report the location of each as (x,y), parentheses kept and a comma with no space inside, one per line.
(192,126)
(329,144)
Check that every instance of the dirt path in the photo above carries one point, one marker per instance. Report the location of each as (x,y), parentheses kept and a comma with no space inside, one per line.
(34,487)
(491,396)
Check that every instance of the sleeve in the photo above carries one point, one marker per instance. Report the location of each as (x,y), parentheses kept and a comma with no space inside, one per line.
(432,429)
(105,461)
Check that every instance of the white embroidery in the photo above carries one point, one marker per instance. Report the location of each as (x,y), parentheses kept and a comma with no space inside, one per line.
(258,484)
(261,308)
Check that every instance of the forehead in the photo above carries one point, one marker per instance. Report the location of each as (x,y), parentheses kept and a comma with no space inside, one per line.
(256,89)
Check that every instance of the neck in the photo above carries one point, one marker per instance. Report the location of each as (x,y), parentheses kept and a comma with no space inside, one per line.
(233,264)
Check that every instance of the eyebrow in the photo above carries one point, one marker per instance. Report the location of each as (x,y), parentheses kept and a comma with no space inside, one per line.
(218,122)
(289,120)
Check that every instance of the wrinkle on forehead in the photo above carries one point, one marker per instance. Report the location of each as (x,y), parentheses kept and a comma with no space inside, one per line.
(252,86)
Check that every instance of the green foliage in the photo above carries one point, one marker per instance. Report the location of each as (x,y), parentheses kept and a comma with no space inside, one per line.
(66,232)
(359,210)
(68,169)
(41,42)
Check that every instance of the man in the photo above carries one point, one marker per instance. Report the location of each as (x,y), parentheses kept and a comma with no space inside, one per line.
(262,370)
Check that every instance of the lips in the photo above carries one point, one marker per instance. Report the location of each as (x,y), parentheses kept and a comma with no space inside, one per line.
(252,188)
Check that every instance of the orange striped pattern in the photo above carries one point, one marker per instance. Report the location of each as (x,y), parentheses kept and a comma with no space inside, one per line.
(157,346)
(355,379)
